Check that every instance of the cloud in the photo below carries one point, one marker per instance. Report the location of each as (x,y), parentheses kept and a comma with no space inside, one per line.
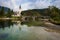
(12,4)
(29,4)
(38,4)
(56,3)
(42,4)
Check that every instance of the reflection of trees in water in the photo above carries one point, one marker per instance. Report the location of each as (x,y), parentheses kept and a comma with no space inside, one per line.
(9,23)
(23,23)
(6,23)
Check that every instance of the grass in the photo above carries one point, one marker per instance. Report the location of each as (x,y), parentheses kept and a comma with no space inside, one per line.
(34,23)
(55,21)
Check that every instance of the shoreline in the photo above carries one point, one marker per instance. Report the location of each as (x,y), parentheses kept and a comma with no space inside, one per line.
(8,18)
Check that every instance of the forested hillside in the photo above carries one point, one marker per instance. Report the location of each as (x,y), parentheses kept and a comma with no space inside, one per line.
(5,12)
(53,12)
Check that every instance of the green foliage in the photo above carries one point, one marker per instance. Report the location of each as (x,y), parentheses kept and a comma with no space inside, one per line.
(2,12)
(34,23)
(10,12)
(30,13)
(55,14)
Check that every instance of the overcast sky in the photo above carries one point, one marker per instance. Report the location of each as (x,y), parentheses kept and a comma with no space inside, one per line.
(29,4)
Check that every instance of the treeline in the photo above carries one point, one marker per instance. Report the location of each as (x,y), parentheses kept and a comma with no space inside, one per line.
(5,12)
(52,11)
(54,14)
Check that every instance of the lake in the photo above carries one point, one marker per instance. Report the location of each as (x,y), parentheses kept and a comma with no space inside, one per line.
(13,30)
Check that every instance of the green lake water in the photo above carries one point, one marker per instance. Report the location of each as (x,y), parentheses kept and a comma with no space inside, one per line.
(10,30)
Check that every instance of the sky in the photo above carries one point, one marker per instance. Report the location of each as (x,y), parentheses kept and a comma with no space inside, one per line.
(29,4)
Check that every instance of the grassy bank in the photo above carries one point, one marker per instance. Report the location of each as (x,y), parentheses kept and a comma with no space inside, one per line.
(34,23)
(57,22)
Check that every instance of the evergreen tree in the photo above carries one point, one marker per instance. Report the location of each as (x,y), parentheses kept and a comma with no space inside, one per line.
(2,12)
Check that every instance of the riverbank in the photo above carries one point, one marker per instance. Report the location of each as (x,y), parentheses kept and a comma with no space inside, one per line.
(43,24)
(52,26)
(57,22)
(36,23)
(9,18)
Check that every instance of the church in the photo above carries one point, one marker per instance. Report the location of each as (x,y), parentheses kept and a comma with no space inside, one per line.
(17,13)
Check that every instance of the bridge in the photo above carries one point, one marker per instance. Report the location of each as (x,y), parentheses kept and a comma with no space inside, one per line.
(34,18)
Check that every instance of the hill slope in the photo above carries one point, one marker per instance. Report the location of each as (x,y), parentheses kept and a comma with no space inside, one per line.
(35,12)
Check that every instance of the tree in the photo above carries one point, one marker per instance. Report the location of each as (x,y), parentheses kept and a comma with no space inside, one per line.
(2,12)
(9,13)
(54,14)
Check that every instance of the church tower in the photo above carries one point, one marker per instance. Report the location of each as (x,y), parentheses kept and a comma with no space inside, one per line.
(20,10)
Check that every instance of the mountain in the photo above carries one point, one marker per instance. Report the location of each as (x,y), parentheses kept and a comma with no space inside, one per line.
(5,12)
(35,12)
(5,8)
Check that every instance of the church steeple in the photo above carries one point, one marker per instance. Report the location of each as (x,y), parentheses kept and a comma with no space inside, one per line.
(20,7)
(20,10)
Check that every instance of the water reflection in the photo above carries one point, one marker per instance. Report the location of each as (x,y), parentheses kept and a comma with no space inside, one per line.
(13,30)
(6,23)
